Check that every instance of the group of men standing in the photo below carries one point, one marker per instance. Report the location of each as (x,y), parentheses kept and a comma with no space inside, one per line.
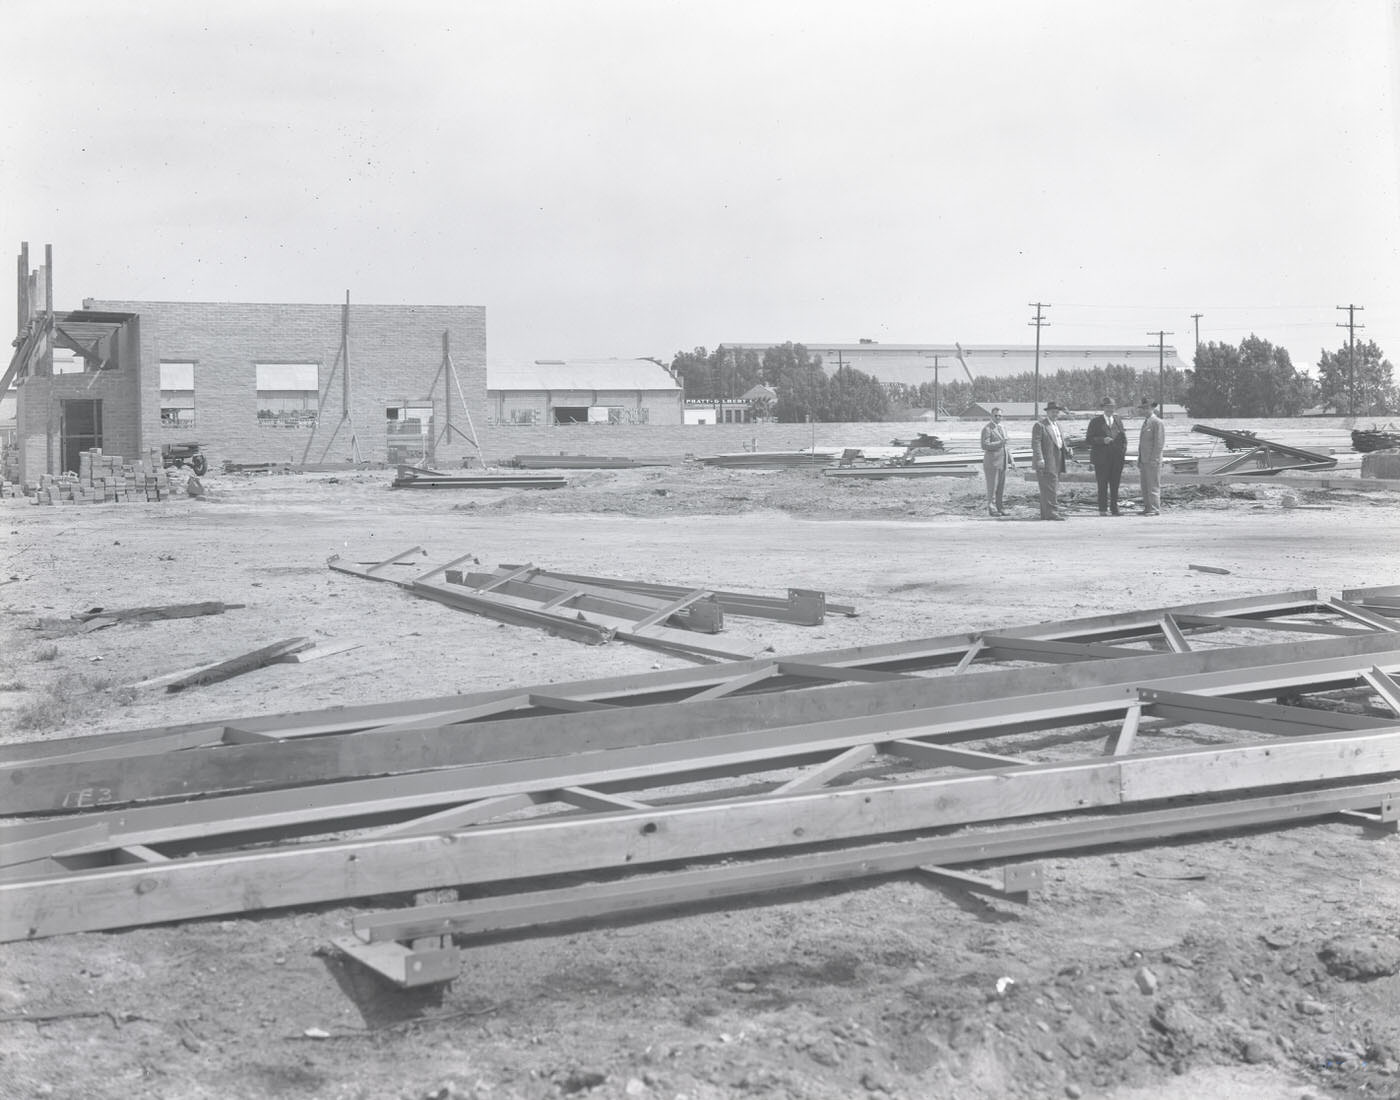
(1108,448)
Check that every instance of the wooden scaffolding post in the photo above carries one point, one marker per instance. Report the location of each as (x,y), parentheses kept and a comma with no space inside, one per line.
(341,363)
(447,371)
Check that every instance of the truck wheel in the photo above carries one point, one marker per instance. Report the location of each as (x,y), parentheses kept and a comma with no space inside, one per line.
(198,464)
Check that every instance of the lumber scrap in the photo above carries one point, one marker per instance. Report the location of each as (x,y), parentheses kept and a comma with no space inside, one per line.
(107,616)
(236,666)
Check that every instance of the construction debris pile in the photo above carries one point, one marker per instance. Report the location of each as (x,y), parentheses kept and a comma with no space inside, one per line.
(102,478)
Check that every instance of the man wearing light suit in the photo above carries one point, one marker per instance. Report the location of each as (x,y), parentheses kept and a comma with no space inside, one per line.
(996,459)
(1151,441)
(1108,445)
(1048,458)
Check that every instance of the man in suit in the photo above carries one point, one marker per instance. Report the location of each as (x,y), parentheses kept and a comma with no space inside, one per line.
(1048,458)
(996,459)
(1108,445)
(1151,441)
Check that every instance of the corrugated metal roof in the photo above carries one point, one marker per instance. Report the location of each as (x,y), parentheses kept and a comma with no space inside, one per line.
(580,374)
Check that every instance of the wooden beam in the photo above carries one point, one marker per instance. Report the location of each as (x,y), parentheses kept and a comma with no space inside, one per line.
(1122,742)
(1264,624)
(1039,696)
(1385,687)
(1269,718)
(941,756)
(236,666)
(819,775)
(311,873)
(653,892)
(1176,639)
(585,798)
(457,817)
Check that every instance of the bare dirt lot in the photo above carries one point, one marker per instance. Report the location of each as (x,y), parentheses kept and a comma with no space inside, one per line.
(1195,969)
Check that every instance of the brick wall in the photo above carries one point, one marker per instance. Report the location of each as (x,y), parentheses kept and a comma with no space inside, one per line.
(395,356)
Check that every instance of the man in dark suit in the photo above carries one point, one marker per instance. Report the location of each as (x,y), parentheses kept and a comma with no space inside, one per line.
(1108,444)
(1048,459)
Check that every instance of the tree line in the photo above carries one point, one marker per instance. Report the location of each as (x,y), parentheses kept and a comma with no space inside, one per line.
(1253,379)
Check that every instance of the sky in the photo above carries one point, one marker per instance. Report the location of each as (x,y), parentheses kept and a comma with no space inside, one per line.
(641,177)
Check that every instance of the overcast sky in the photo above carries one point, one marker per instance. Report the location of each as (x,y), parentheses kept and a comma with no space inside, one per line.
(637,177)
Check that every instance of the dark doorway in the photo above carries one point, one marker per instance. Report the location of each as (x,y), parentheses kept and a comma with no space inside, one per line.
(80,429)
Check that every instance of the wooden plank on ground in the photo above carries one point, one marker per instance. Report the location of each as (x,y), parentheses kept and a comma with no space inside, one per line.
(236,666)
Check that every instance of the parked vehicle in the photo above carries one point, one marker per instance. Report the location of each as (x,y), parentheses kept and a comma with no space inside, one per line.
(182,454)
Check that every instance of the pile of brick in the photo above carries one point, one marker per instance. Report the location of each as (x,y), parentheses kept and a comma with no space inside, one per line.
(103,478)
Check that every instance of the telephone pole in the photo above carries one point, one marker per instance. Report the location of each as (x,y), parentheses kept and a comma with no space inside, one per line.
(1351,326)
(1197,318)
(1161,360)
(935,387)
(1039,322)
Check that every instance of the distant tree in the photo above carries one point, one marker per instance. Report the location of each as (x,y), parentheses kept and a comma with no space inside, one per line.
(1079,388)
(1375,388)
(1255,379)
(798,380)
(856,397)
(696,372)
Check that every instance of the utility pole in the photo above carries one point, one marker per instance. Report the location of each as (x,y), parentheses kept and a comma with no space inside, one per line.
(1351,326)
(840,383)
(935,388)
(1197,318)
(1039,322)
(1161,361)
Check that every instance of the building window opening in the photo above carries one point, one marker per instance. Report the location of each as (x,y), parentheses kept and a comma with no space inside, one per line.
(571,414)
(288,394)
(176,395)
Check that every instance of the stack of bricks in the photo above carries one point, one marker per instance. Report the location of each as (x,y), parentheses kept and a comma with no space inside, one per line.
(102,478)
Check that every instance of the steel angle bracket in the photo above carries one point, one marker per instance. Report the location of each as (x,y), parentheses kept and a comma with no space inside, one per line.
(1385,820)
(404,966)
(1018,881)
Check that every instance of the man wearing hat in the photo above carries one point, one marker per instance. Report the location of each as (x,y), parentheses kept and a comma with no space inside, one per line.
(1108,445)
(1151,440)
(1048,458)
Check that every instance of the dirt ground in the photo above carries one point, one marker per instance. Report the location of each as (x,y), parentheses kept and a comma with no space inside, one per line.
(1258,965)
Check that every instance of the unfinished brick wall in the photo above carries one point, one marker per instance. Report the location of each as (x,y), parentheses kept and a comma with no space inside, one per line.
(395,356)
